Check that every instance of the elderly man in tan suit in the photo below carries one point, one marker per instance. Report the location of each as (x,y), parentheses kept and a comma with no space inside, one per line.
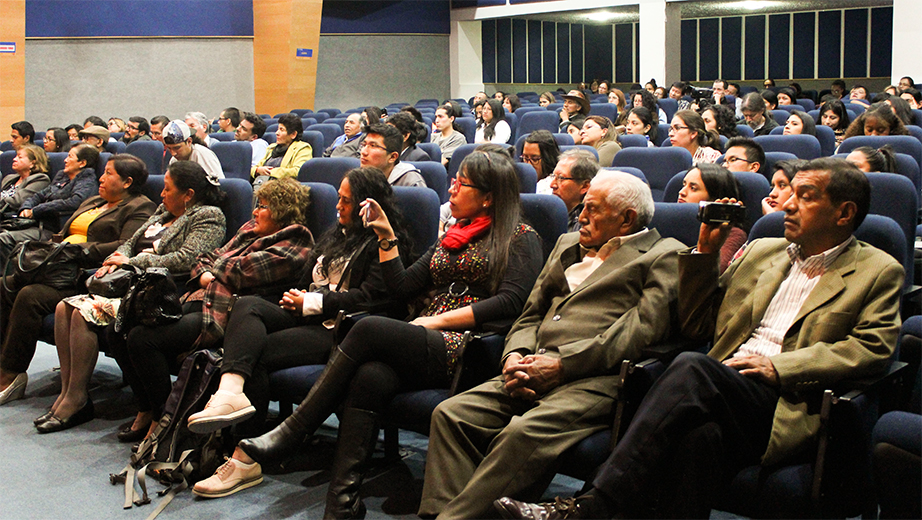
(603,295)
(788,317)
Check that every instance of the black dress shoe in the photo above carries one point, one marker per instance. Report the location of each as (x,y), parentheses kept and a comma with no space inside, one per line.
(43,417)
(129,435)
(56,424)
(560,508)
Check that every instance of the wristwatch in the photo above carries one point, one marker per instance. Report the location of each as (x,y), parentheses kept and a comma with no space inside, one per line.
(387,245)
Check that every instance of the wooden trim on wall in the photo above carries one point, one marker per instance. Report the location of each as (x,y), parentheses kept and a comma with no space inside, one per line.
(12,66)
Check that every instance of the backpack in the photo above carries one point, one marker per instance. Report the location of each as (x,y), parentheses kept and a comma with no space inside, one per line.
(175,456)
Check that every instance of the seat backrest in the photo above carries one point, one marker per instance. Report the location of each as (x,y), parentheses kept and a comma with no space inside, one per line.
(745,131)
(803,146)
(807,104)
(772,157)
(436,177)
(239,204)
(662,134)
(301,112)
(528,177)
(330,132)
(338,121)
(6,162)
(636,172)
(563,139)
(329,170)
(526,109)
(633,140)
(900,143)
(321,214)
(55,162)
(917,116)
(315,139)
(432,149)
(225,137)
(894,196)
(670,107)
(780,115)
(116,147)
(674,186)
(609,110)
(153,187)
(6,146)
(537,120)
(915,131)
(790,108)
(513,121)
(235,157)
(319,116)
(421,213)
(101,163)
(151,152)
(548,215)
(678,221)
(468,127)
(753,188)
(308,121)
(658,164)
(456,158)
(827,138)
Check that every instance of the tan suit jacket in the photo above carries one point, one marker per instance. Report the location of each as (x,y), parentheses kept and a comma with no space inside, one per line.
(846,329)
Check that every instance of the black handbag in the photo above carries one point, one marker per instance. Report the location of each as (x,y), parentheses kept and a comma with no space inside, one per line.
(47,263)
(152,300)
(18,223)
(114,284)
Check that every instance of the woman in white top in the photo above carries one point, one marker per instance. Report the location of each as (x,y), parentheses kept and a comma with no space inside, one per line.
(492,127)
(688,131)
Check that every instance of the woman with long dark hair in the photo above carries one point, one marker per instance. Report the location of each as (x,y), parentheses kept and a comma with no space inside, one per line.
(834,115)
(481,270)
(710,182)
(492,126)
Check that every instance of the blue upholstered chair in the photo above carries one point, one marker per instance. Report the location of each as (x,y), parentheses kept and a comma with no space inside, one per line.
(669,106)
(803,146)
(745,131)
(435,176)
(330,132)
(239,204)
(235,157)
(327,169)
(315,139)
(633,141)
(528,177)
(662,135)
(321,214)
(458,157)
(658,165)
(901,143)
(115,147)
(468,127)
(537,120)
(609,110)
(6,162)
(433,150)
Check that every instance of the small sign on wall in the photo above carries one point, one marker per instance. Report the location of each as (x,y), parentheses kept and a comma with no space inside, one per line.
(304,53)
(7,47)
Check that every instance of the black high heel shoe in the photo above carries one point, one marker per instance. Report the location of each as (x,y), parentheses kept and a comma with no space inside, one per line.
(56,424)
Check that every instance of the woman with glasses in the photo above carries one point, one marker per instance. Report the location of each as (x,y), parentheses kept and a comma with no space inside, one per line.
(482,270)
(687,131)
(541,151)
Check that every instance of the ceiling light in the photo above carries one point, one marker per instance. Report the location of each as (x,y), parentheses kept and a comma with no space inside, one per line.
(601,16)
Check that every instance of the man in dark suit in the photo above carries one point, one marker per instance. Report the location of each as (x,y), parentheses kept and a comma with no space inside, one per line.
(603,295)
(789,317)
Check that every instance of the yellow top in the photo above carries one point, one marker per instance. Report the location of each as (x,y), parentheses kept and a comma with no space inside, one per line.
(80,224)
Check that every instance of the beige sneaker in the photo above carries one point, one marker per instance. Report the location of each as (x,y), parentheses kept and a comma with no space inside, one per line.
(222,410)
(230,478)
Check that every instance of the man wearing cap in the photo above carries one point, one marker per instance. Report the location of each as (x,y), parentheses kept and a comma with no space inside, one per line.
(177,139)
(575,109)
(95,136)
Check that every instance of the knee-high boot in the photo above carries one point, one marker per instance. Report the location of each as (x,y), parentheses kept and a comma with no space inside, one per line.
(321,401)
(358,432)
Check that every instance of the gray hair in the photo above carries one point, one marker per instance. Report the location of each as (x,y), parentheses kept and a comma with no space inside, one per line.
(585,166)
(201,118)
(626,191)
(753,102)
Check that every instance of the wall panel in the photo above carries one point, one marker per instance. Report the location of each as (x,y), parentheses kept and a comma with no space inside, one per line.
(624,55)
(534,51)
(488,44)
(549,42)
(708,49)
(731,46)
(829,53)
(576,54)
(804,27)
(881,41)
(855,58)
(563,53)
(504,50)
(689,36)
(519,51)
(598,52)
(755,47)
(779,48)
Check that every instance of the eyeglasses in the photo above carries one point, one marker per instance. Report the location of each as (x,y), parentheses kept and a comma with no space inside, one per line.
(369,144)
(558,178)
(676,128)
(260,205)
(530,158)
(733,159)
(456,184)
(135,127)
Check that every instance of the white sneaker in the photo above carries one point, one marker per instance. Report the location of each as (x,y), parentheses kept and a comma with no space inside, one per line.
(223,409)
(231,477)
(16,390)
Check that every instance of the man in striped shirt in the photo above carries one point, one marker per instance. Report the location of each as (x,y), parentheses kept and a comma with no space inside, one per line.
(788,318)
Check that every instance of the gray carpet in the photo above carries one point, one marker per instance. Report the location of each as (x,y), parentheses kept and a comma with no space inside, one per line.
(65,474)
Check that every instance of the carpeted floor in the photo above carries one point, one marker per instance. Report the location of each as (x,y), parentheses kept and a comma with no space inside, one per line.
(65,475)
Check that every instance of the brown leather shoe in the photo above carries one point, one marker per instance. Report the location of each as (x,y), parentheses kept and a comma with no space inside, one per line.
(560,508)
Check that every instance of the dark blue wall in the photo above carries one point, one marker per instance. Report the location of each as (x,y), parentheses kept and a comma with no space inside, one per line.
(94,18)
(383,17)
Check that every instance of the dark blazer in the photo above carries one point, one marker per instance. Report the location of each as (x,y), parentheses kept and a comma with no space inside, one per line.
(365,281)
(847,327)
(33,184)
(113,226)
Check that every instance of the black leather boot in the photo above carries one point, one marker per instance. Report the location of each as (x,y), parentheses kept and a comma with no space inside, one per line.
(321,401)
(358,433)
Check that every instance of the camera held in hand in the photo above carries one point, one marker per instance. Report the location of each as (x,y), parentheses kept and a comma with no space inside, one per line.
(717,213)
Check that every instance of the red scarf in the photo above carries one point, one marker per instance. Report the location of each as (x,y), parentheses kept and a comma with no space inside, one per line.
(460,235)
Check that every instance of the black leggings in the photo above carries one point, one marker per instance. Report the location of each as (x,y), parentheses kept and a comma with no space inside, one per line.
(262,337)
(393,357)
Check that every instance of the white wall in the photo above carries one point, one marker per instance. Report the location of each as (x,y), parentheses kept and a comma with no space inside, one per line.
(68,80)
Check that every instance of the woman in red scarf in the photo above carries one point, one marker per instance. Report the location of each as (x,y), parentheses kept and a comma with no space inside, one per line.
(481,271)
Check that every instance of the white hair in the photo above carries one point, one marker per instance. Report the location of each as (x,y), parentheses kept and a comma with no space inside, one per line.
(626,191)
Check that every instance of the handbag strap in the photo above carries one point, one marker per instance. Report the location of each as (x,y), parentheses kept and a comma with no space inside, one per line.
(51,256)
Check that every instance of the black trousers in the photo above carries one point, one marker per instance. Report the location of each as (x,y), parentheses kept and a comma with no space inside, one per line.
(21,315)
(697,402)
(262,337)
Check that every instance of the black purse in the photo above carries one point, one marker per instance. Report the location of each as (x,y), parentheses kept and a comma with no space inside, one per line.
(18,223)
(46,263)
(152,300)
(114,284)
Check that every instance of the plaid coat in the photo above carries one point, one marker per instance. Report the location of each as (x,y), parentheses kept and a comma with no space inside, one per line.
(246,265)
